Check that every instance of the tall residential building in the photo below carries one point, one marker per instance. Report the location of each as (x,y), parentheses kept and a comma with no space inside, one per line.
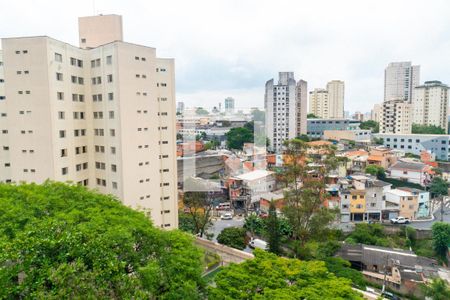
(328,103)
(396,117)
(180,107)
(400,79)
(229,105)
(102,116)
(285,107)
(430,104)
(375,113)
(335,90)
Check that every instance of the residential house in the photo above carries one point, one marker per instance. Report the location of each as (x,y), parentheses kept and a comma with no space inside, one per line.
(382,157)
(423,198)
(407,202)
(415,172)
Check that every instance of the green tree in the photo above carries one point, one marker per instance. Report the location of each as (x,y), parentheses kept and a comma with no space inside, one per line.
(185,222)
(236,137)
(378,141)
(342,268)
(273,230)
(312,116)
(199,208)
(201,111)
(370,234)
(375,170)
(427,129)
(304,137)
(439,189)
(233,237)
(62,241)
(370,125)
(254,224)
(438,289)
(441,239)
(268,276)
(304,207)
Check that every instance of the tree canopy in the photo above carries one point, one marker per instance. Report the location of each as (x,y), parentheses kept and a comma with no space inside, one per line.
(236,137)
(64,241)
(312,116)
(370,125)
(268,276)
(375,170)
(441,238)
(233,237)
(427,129)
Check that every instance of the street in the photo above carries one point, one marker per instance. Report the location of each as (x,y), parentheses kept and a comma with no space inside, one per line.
(219,225)
(437,218)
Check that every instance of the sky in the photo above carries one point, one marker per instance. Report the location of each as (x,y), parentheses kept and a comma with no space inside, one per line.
(231,48)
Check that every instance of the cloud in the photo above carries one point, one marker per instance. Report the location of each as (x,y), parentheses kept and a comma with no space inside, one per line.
(230,47)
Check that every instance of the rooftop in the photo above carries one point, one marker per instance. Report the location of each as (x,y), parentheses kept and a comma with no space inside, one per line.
(254,175)
(408,165)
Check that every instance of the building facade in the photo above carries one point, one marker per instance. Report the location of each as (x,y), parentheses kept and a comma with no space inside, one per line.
(430,104)
(396,117)
(285,112)
(229,105)
(328,103)
(400,79)
(316,127)
(375,113)
(319,104)
(102,115)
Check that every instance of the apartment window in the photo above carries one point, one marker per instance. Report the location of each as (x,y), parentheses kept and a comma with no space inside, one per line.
(112,132)
(143,58)
(109,78)
(113,168)
(78,167)
(60,95)
(80,80)
(79,63)
(62,133)
(74,79)
(7,165)
(61,115)
(113,150)
(59,76)
(64,171)
(136,57)
(110,96)
(58,57)
(85,166)
(73,61)
(74,97)
(114,185)
(163,84)
(109,60)
(100,165)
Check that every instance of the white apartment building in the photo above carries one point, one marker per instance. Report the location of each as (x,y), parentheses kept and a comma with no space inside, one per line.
(285,106)
(100,115)
(396,117)
(328,103)
(229,105)
(375,113)
(400,79)
(430,104)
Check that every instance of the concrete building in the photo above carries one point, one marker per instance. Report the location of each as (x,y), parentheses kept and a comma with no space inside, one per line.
(100,115)
(328,103)
(317,127)
(375,113)
(396,117)
(335,90)
(285,108)
(180,107)
(229,105)
(438,145)
(415,172)
(358,135)
(430,104)
(400,79)
(423,198)
(407,202)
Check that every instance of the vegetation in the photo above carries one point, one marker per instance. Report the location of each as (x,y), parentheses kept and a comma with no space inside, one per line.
(62,241)
(312,116)
(342,268)
(373,234)
(304,137)
(233,237)
(304,205)
(441,239)
(199,209)
(438,290)
(377,171)
(370,125)
(201,111)
(402,183)
(273,230)
(254,224)
(378,141)
(271,277)
(236,137)
(427,129)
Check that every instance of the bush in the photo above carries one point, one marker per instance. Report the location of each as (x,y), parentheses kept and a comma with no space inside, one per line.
(233,237)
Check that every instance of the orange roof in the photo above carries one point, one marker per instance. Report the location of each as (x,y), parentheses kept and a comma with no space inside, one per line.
(375,157)
(319,143)
(356,153)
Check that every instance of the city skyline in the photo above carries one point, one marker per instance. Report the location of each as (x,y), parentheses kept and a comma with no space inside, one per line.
(238,58)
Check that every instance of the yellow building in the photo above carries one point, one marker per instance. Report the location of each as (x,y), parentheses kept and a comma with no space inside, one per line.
(357,203)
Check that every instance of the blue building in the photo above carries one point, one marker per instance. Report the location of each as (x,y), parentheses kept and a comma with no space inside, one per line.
(316,127)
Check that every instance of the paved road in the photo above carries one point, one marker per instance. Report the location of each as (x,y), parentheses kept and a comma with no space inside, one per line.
(219,225)
(437,218)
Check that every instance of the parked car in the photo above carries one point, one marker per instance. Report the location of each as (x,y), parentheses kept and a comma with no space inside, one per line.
(400,220)
(391,296)
(226,216)
(257,243)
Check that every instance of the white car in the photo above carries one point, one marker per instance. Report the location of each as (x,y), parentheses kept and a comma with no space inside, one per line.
(226,216)
(257,243)
(400,220)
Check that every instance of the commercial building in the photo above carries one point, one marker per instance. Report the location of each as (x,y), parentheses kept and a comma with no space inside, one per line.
(358,135)
(100,115)
(328,103)
(396,117)
(316,127)
(400,79)
(430,104)
(229,105)
(438,145)
(285,107)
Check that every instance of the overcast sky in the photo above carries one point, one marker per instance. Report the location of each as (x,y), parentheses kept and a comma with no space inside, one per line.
(232,47)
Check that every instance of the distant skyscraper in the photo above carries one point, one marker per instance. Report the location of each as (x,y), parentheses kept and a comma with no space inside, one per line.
(375,114)
(328,103)
(430,104)
(400,79)
(180,107)
(285,106)
(229,105)
(396,117)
